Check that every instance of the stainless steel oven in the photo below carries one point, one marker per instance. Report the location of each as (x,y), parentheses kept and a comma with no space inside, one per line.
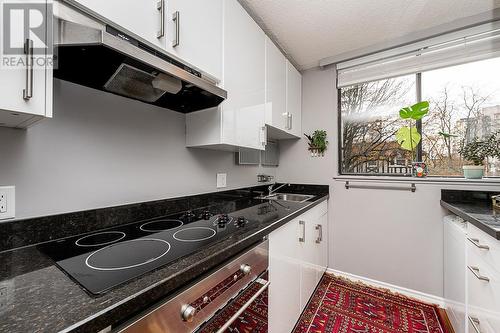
(199,303)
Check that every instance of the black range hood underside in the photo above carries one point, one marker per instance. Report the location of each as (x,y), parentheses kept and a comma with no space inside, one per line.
(93,65)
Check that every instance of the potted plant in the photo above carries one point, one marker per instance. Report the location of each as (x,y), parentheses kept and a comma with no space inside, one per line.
(476,152)
(317,143)
(408,137)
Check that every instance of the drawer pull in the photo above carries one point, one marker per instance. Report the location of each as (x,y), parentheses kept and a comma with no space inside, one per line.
(475,271)
(475,324)
(476,242)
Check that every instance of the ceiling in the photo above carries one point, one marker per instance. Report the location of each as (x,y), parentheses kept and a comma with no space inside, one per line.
(310,30)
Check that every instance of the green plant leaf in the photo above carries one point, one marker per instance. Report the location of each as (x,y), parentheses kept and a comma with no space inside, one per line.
(408,138)
(415,112)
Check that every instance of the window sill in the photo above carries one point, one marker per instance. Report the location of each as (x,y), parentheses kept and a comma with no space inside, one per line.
(429,180)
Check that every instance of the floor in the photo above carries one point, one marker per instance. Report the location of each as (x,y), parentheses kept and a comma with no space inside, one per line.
(339,305)
(342,306)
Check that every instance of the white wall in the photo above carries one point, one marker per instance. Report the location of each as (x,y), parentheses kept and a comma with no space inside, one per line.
(391,236)
(101,150)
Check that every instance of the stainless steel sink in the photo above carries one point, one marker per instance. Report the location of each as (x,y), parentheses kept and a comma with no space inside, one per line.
(288,197)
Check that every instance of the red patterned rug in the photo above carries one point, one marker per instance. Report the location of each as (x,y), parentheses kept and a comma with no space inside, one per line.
(341,306)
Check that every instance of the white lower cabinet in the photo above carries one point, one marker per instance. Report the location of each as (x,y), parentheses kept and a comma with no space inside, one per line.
(473,301)
(297,260)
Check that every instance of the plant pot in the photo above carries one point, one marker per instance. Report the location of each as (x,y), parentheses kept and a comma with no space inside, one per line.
(473,171)
(419,169)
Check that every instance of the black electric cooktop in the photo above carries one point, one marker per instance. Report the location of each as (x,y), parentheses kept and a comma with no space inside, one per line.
(107,258)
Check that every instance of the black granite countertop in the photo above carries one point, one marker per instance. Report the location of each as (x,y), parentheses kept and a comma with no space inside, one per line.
(474,207)
(36,296)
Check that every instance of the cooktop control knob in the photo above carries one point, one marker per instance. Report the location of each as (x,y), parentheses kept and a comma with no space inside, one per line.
(206,215)
(187,313)
(241,221)
(245,269)
(223,219)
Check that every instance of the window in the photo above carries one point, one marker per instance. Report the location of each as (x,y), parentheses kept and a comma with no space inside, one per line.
(464,104)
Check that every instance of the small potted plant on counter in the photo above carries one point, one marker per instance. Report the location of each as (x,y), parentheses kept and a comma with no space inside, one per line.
(477,152)
(317,143)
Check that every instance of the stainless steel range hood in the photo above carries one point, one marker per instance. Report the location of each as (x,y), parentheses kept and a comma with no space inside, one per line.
(97,55)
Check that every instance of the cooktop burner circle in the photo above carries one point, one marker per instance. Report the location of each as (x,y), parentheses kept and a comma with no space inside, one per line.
(161,225)
(194,234)
(100,238)
(128,254)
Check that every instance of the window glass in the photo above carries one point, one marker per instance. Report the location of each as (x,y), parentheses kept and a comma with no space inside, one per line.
(370,119)
(464,104)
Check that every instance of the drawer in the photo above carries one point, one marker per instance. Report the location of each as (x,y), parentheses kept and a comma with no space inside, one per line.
(484,246)
(483,289)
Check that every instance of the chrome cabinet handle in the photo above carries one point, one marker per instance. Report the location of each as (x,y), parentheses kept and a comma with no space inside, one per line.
(176,17)
(303,238)
(475,324)
(290,116)
(475,271)
(476,242)
(160,5)
(263,135)
(319,227)
(28,50)
(244,307)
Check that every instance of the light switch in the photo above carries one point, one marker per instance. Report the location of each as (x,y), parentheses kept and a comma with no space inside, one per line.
(221,180)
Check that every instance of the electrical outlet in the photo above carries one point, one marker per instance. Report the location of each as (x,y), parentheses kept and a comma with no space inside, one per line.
(7,202)
(3,202)
(221,180)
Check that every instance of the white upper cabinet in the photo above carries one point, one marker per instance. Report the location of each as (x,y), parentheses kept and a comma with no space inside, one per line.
(276,115)
(283,95)
(26,94)
(145,18)
(190,30)
(239,120)
(294,100)
(194,33)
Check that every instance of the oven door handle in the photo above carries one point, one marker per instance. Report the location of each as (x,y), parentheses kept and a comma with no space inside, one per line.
(245,306)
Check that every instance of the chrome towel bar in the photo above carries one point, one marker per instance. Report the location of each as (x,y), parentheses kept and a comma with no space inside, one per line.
(412,187)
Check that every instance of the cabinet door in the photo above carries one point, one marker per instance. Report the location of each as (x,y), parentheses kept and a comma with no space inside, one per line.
(199,31)
(143,18)
(16,108)
(455,272)
(284,274)
(276,68)
(321,230)
(309,259)
(294,99)
(244,78)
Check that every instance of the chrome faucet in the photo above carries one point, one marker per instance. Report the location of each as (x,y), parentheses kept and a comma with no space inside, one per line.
(271,190)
